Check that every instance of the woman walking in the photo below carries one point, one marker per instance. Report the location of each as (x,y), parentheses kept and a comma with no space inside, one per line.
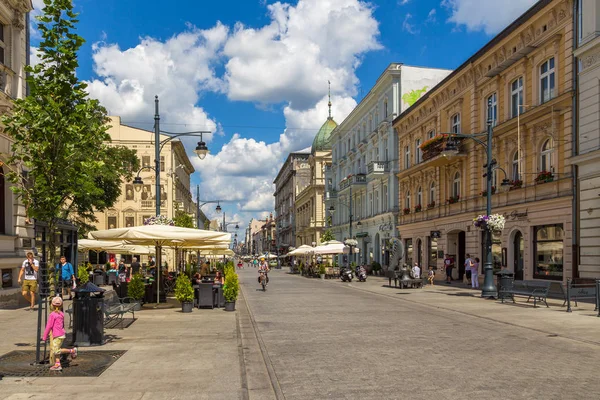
(475,273)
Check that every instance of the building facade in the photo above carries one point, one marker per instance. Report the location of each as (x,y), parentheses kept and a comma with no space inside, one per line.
(587,159)
(133,206)
(522,80)
(310,201)
(365,160)
(16,230)
(294,174)
(254,236)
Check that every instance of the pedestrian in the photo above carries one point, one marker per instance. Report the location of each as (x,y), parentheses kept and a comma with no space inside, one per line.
(431,275)
(56,329)
(416,271)
(29,270)
(135,266)
(66,277)
(468,264)
(122,271)
(475,274)
(448,265)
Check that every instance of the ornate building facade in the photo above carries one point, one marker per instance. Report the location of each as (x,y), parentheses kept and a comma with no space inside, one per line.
(587,159)
(16,231)
(523,81)
(310,201)
(293,175)
(365,160)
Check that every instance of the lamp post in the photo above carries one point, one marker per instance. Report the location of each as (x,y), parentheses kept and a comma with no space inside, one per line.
(200,203)
(488,289)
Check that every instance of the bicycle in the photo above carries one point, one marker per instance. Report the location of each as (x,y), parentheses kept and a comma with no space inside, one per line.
(263,281)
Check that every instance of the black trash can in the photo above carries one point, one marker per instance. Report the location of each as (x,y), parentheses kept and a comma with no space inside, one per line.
(88,315)
(98,277)
(504,280)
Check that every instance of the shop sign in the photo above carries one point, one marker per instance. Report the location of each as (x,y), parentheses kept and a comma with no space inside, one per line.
(386,227)
(362,234)
(435,234)
(514,215)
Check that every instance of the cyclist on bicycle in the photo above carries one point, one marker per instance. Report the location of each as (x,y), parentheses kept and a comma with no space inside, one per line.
(263,270)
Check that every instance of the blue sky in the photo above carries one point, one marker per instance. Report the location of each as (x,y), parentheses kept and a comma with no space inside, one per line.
(255,71)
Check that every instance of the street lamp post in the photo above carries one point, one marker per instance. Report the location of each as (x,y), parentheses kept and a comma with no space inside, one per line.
(200,203)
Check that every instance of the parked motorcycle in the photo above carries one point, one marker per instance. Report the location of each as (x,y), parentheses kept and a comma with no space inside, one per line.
(361,273)
(346,275)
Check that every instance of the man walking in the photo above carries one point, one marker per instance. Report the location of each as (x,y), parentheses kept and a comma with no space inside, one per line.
(29,269)
(66,277)
(468,265)
(449,265)
(135,266)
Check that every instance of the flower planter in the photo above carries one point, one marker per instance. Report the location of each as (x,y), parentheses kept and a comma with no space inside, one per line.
(322,276)
(187,306)
(230,306)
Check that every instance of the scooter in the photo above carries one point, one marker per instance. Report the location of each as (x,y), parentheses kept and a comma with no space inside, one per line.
(346,275)
(361,274)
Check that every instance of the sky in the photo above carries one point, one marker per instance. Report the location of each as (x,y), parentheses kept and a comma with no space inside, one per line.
(255,72)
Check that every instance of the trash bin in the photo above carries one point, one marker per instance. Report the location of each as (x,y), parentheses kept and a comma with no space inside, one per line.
(504,280)
(88,315)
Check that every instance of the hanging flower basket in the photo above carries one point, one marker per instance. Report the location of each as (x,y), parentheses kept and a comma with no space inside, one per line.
(159,220)
(351,242)
(494,222)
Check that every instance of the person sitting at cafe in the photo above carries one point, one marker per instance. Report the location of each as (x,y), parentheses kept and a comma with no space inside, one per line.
(219,279)
(197,279)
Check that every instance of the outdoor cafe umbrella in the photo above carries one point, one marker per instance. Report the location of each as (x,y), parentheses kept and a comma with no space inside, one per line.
(301,251)
(161,235)
(333,247)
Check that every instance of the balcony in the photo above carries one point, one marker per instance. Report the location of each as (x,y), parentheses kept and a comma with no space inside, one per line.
(345,183)
(151,204)
(359,179)
(433,154)
(331,194)
(378,168)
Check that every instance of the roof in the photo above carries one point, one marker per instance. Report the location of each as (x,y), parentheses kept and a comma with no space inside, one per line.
(322,141)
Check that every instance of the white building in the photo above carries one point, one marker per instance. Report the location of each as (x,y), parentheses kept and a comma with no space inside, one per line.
(362,181)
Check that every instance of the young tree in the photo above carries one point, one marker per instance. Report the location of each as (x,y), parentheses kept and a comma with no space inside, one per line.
(327,236)
(60,135)
(183,219)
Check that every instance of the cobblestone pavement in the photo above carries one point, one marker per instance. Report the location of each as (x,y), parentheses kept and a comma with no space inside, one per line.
(334,340)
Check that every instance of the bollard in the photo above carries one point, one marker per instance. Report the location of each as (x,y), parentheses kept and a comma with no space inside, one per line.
(569,295)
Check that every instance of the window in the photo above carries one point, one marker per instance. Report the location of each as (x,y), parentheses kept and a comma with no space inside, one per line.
(385,149)
(516,97)
(371,202)
(408,245)
(376,202)
(515,167)
(432,193)
(419,197)
(407,200)
(433,248)
(129,222)
(406,157)
(456,185)
(385,198)
(492,109)
(2,44)
(431,134)
(546,156)
(548,252)
(455,122)
(145,161)
(385,109)
(162,163)
(547,80)
(418,151)
(112,222)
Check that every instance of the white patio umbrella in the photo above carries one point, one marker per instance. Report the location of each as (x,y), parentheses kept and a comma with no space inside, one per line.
(333,247)
(301,251)
(162,235)
(100,245)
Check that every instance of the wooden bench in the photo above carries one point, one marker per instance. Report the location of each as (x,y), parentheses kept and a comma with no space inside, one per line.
(115,308)
(538,290)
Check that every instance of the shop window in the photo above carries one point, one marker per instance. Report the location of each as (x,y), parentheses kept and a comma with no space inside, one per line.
(548,247)
(433,248)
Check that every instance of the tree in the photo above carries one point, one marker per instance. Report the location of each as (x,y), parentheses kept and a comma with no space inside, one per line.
(60,135)
(183,219)
(327,236)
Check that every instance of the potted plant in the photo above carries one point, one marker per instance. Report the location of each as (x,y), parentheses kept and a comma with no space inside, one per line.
(418,208)
(230,289)
(322,271)
(431,205)
(184,293)
(453,199)
(544,176)
(516,184)
(83,275)
(376,267)
(484,192)
(406,211)
(136,291)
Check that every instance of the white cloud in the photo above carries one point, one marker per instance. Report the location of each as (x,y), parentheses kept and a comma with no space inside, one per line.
(38,5)
(34,56)
(302,48)
(403,2)
(431,17)
(489,16)
(176,70)
(407,26)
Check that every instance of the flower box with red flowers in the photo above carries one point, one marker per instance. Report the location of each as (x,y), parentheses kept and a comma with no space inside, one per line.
(431,205)
(452,199)
(418,208)
(484,192)
(406,211)
(516,184)
(544,176)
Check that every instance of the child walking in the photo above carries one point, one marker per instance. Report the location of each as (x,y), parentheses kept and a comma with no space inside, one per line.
(56,329)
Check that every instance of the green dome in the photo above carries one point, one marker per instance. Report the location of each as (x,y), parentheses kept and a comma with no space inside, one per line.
(322,141)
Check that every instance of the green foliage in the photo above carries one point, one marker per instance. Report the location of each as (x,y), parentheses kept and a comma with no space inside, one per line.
(136,288)
(411,97)
(375,266)
(232,285)
(183,289)
(327,236)
(207,225)
(322,269)
(59,134)
(191,269)
(183,219)
(82,275)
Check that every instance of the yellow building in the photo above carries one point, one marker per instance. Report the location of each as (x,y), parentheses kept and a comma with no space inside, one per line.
(16,231)
(526,74)
(310,203)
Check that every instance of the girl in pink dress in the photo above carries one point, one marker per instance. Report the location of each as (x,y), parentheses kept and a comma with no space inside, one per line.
(56,329)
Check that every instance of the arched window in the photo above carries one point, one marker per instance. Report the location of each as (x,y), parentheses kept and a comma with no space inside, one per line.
(456,185)
(419,197)
(407,200)
(546,156)
(455,123)
(432,193)
(385,109)
(431,134)
(516,175)
(418,151)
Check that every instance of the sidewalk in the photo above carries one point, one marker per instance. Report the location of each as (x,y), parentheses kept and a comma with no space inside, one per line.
(581,325)
(169,355)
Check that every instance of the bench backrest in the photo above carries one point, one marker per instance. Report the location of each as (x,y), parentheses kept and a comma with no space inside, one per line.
(531,285)
(111,298)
